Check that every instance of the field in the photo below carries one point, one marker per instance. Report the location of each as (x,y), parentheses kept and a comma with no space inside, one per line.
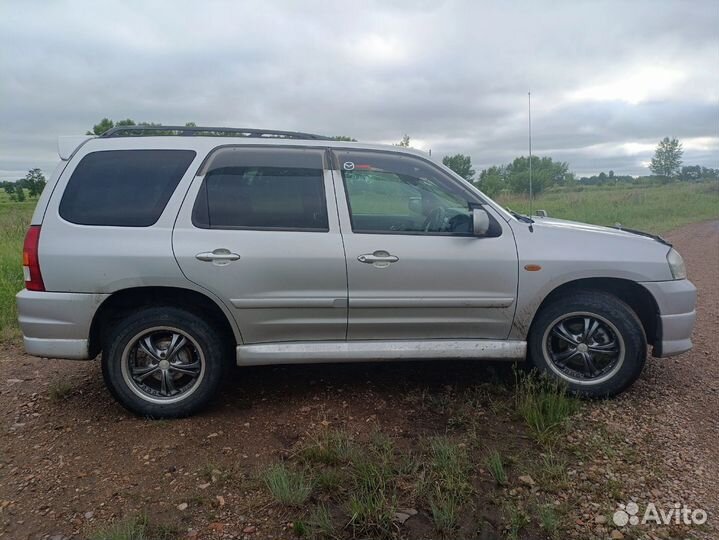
(14,220)
(651,208)
(654,209)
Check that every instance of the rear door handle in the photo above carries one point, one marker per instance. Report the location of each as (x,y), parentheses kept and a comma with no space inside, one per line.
(379,259)
(217,256)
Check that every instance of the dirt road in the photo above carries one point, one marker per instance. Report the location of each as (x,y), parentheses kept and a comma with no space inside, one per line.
(72,460)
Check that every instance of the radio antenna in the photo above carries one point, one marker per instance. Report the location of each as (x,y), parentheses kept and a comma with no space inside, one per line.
(531,192)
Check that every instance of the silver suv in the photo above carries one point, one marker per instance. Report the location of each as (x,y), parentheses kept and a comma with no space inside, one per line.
(178,251)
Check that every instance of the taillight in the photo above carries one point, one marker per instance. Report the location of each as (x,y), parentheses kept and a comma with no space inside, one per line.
(30,260)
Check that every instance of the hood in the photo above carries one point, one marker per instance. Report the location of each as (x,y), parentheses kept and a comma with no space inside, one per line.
(586,227)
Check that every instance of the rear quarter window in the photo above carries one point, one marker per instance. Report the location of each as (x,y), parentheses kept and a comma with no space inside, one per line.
(263,189)
(124,188)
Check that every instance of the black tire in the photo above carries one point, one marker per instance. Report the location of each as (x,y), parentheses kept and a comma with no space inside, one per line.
(202,346)
(613,317)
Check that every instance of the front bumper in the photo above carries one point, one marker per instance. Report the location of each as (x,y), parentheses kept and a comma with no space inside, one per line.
(676,301)
(57,325)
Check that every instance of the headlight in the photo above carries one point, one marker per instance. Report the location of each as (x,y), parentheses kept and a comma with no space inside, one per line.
(676,264)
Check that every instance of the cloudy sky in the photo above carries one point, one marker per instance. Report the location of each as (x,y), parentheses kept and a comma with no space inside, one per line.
(608,79)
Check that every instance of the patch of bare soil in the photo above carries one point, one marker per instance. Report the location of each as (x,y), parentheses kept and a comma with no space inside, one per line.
(72,460)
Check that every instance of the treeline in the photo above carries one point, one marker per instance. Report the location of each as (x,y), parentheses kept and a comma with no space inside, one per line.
(666,166)
(688,173)
(33,184)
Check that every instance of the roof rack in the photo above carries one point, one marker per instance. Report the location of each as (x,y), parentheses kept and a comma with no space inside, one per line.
(139,131)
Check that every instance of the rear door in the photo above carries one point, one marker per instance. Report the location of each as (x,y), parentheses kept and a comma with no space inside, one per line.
(256,230)
(415,271)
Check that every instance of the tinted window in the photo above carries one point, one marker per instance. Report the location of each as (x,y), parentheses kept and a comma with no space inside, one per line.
(390,193)
(127,188)
(263,189)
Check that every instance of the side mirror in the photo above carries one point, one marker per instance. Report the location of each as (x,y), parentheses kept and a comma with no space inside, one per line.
(541,213)
(480,221)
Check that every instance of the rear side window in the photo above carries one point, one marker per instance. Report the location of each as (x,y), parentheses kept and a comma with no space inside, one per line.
(124,188)
(263,189)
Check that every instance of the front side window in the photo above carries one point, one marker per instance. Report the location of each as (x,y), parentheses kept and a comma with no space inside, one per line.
(391,193)
(123,188)
(263,188)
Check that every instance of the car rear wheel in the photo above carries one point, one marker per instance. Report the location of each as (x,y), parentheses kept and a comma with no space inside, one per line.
(591,341)
(163,362)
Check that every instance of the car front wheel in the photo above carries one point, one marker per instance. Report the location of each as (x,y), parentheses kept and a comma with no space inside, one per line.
(163,362)
(590,340)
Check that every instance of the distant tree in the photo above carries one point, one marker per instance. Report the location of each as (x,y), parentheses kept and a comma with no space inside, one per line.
(493,180)
(545,172)
(19,193)
(667,160)
(34,181)
(106,124)
(9,188)
(603,178)
(344,138)
(709,173)
(101,127)
(460,164)
(404,142)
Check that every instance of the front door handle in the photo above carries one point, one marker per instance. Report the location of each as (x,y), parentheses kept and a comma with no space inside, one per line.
(217,256)
(379,259)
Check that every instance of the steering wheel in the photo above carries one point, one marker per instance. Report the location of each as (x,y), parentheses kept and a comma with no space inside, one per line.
(435,220)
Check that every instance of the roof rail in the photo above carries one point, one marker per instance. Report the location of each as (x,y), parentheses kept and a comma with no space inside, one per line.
(139,131)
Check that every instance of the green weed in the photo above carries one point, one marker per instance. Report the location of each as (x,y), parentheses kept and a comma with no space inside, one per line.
(329,448)
(320,521)
(544,405)
(373,501)
(60,390)
(288,487)
(137,528)
(495,465)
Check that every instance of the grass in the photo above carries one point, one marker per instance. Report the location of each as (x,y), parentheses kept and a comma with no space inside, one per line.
(445,507)
(14,221)
(373,502)
(320,522)
(544,405)
(550,472)
(329,447)
(495,465)
(60,390)
(655,208)
(288,487)
(136,528)
(549,520)
(447,472)
(212,472)
(517,520)
(330,481)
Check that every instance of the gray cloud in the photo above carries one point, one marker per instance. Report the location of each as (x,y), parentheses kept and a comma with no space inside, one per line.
(608,79)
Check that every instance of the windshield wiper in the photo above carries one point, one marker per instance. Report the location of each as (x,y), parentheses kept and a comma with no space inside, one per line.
(520,217)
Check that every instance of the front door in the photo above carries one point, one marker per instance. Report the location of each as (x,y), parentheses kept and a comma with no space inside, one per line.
(255,230)
(415,271)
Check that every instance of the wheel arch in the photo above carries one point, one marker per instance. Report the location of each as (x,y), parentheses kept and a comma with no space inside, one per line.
(128,300)
(638,298)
